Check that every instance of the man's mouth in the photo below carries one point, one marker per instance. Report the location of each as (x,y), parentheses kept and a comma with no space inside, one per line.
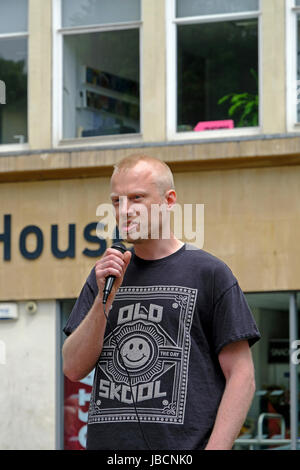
(130,227)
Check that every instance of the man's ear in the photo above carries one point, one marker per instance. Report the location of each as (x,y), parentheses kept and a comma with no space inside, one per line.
(170,198)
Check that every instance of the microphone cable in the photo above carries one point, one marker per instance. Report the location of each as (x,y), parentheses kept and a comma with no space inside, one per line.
(129,380)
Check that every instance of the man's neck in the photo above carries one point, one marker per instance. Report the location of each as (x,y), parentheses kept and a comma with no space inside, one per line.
(157,249)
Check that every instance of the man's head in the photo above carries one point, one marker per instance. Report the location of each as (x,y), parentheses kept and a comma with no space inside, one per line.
(161,173)
(140,180)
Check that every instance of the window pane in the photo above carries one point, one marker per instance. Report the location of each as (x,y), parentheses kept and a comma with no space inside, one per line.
(13,16)
(101,84)
(13,72)
(90,12)
(213,7)
(217,75)
(298,3)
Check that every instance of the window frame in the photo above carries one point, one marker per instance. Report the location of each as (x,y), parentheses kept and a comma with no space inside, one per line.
(58,34)
(171,67)
(20,34)
(292,12)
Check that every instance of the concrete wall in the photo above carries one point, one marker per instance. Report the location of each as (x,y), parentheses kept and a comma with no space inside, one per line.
(27,391)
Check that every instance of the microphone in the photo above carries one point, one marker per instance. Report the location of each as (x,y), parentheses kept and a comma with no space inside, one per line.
(109,280)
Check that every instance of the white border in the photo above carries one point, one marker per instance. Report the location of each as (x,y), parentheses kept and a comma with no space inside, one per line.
(291,66)
(57,69)
(171,59)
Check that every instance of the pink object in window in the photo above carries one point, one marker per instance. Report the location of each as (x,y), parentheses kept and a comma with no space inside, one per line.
(213,125)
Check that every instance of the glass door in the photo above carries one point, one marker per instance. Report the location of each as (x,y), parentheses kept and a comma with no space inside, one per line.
(273,419)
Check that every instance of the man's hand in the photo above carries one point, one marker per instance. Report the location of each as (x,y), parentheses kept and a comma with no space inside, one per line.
(112,263)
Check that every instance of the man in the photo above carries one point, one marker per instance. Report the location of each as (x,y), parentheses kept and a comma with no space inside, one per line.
(173,367)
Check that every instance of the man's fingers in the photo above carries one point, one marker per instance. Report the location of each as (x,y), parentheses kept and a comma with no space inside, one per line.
(113,263)
(127,258)
(101,274)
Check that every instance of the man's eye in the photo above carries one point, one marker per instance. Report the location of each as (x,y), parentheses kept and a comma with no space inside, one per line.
(115,202)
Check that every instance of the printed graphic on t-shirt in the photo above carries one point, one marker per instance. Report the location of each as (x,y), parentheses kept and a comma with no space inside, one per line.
(152,332)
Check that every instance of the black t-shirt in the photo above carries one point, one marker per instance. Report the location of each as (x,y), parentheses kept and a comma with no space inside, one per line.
(170,318)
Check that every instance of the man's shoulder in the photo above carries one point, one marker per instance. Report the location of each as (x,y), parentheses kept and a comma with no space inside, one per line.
(193,252)
(209,264)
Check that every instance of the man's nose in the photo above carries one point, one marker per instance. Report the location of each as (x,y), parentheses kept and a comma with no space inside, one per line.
(126,208)
(123,203)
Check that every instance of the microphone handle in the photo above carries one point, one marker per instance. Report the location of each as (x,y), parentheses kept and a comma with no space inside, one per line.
(108,287)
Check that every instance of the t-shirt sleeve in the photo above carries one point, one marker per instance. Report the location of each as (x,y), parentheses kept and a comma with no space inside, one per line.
(232,317)
(83,304)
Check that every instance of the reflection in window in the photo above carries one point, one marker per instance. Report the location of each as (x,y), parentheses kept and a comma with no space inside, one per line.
(213,7)
(101,84)
(14,16)
(13,72)
(91,12)
(217,74)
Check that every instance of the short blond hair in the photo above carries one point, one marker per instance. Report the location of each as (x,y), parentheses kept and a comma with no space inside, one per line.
(163,174)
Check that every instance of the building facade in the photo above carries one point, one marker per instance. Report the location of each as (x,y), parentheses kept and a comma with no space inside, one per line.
(211,88)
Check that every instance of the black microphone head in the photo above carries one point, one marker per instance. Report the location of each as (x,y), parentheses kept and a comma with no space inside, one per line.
(119,246)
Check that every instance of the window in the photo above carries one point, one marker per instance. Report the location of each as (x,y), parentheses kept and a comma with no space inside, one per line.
(13,71)
(293,64)
(215,63)
(273,418)
(99,91)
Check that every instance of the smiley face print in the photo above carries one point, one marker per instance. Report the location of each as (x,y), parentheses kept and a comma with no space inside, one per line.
(136,352)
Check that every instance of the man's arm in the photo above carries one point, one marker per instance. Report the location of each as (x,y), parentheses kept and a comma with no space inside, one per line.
(237,365)
(82,348)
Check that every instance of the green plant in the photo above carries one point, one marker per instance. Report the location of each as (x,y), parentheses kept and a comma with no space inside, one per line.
(245,105)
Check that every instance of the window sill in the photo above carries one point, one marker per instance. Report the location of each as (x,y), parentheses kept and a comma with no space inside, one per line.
(221,135)
(120,140)
(8,148)
(294,128)
(97,160)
